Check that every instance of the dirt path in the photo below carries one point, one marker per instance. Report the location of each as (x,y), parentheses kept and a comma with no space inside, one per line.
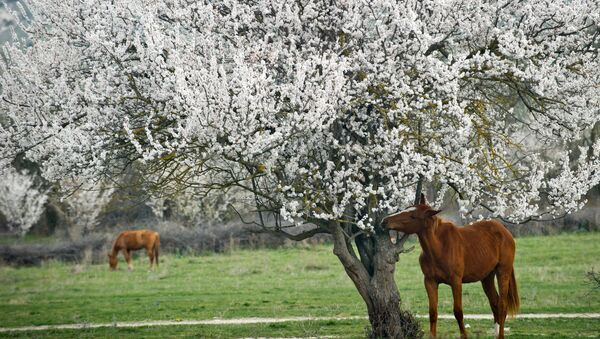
(242,321)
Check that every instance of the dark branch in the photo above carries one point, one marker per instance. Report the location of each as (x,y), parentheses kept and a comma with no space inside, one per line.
(296,237)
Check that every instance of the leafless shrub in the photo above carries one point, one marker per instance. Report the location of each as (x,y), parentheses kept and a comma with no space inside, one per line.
(216,238)
(36,254)
(174,239)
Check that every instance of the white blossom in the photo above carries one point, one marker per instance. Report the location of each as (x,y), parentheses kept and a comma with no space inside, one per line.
(325,111)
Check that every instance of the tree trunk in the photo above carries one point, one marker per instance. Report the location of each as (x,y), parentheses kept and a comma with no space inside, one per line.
(376,284)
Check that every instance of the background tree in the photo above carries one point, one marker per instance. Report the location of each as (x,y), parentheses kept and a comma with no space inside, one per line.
(193,206)
(327,113)
(84,201)
(21,200)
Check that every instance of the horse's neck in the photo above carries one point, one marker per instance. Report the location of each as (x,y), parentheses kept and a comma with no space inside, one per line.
(115,248)
(430,243)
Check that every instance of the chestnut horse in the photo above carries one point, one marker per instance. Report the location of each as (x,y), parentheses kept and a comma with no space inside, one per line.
(128,241)
(455,255)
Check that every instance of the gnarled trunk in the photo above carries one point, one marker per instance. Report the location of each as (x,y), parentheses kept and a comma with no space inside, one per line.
(372,272)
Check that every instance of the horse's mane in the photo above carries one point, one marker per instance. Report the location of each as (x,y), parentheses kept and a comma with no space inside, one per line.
(436,222)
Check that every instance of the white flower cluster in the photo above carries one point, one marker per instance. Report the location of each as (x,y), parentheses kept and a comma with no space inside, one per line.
(329,111)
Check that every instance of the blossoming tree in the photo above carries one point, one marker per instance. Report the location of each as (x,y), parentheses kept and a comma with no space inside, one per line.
(21,200)
(329,113)
(84,201)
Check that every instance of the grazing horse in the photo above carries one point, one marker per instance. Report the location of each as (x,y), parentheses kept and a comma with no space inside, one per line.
(128,241)
(455,255)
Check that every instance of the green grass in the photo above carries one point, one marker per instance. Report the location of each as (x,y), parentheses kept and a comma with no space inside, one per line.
(285,282)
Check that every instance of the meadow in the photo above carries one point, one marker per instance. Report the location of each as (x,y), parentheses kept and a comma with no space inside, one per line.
(289,281)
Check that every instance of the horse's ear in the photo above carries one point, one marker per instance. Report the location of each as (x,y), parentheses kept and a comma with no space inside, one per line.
(431,213)
(423,201)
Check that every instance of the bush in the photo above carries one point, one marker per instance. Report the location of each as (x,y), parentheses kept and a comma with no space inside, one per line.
(35,254)
(225,237)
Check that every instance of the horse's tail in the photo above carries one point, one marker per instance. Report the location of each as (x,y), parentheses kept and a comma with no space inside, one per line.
(513,295)
(156,248)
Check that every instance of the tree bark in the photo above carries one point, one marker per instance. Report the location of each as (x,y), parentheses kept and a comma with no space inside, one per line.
(376,285)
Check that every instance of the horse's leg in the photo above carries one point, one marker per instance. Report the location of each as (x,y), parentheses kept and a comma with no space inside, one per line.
(458,312)
(150,255)
(503,281)
(431,286)
(127,255)
(490,291)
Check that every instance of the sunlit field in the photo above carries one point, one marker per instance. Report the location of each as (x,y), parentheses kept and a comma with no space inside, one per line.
(296,281)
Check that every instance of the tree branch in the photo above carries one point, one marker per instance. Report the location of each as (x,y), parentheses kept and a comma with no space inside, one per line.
(400,244)
(296,237)
(354,268)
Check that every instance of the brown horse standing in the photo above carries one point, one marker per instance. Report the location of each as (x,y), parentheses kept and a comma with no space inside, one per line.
(128,241)
(455,255)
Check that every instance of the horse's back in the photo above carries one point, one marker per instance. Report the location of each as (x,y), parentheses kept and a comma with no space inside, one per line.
(151,237)
(488,230)
(135,240)
(487,245)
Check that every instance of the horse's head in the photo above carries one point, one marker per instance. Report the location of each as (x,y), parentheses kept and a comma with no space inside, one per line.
(112,261)
(411,220)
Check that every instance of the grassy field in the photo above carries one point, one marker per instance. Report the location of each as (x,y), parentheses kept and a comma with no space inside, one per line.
(285,282)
